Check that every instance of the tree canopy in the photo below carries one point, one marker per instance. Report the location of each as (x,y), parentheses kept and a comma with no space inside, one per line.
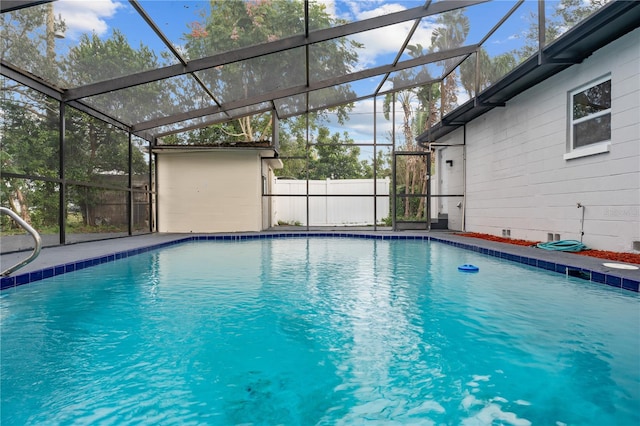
(98,154)
(233,24)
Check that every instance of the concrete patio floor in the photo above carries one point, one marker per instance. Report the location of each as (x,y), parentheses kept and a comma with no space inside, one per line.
(51,257)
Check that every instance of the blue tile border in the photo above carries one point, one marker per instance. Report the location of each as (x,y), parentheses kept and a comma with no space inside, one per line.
(584,273)
(632,285)
(13,281)
(587,274)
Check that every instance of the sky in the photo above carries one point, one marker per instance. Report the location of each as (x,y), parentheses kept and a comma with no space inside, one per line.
(82,16)
(173,17)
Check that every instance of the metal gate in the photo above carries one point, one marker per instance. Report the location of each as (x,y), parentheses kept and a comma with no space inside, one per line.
(411,190)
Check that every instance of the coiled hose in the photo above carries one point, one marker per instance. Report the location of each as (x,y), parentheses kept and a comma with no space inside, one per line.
(563,245)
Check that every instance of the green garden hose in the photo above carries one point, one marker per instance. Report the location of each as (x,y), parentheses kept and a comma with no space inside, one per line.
(563,245)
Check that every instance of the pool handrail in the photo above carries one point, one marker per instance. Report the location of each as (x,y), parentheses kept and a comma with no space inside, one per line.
(30,230)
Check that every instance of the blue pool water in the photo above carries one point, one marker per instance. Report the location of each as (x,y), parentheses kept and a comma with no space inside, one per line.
(318,331)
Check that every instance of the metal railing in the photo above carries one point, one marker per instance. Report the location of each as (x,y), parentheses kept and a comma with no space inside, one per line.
(30,230)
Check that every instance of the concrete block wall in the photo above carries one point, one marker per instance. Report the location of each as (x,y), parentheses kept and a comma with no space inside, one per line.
(209,191)
(518,179)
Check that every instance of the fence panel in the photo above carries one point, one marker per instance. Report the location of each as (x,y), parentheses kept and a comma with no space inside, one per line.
(330,203)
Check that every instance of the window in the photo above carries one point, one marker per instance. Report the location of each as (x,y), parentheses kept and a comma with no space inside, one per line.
(590,120)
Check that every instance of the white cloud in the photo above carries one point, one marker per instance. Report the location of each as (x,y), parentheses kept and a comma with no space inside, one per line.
(85,16)
(360,124)
(382,41)
(384,9)
(386,40)
(330,6)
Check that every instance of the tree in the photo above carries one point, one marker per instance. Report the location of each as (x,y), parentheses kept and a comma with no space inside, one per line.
(419,111)
(29,118)
(336,157)
(501,65)
(451,32)
(26,38)
(329,156)
(94,59)
(232,24)
(382,165)
(491,70)
(96,151)
(293,148)
(29,147)
(571,12)
(405,98)
(567,14)
(468,72)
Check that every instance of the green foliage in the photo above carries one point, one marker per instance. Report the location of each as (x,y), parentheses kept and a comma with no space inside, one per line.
(328,154)
(35,200)
(491,70)
(571,12)
(205,136)
(30,134)
(383,165)
(451,32)
(94,59)
(332,156)
(76,224)
(234,24)
(409,209)
(24,41)
(566,14)
(292,223)
(95,152)
(293,148)
(29,147)
(336,158)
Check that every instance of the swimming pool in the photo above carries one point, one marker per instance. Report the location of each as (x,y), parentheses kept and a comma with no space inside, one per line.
(318,331)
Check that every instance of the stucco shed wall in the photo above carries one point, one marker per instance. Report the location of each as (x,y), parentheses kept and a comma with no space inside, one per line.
(216,191)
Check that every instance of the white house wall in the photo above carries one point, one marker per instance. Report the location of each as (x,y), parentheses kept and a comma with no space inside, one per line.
(209,191)
(517,178)
(450,182)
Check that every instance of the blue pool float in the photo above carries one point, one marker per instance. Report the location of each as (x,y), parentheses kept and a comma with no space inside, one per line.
(468,268)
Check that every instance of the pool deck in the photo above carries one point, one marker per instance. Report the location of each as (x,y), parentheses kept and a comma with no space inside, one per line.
(61,259)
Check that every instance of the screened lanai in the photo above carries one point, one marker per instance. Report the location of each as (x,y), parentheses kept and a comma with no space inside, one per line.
(114,110)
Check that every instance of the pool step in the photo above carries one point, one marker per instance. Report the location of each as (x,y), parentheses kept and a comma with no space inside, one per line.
(442,222)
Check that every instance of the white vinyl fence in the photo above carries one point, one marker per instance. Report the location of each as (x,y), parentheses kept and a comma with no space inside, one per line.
(336,208)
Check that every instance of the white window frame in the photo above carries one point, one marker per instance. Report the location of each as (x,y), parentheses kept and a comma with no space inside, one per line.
(593,148)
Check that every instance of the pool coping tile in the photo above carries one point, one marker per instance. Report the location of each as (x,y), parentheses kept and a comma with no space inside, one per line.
(577,266)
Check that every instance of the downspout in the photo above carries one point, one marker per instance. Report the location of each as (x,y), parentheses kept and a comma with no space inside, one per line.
(154,203)
(62,143)
(275,141)
(275,131)
(464,176)
(130,206)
